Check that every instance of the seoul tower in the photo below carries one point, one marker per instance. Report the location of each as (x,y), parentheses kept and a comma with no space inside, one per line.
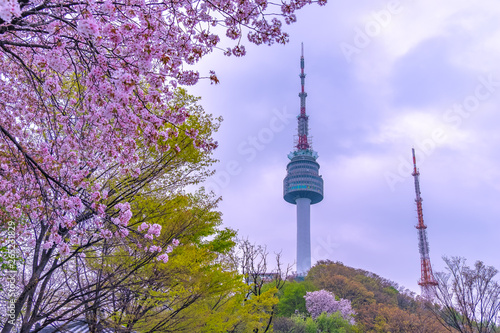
(427,281)
(303,186)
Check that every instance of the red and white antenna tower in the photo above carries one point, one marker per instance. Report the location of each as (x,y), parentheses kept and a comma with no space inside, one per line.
(427,281)
(303,118)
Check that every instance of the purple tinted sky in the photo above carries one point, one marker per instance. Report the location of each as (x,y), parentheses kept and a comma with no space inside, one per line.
(427,76)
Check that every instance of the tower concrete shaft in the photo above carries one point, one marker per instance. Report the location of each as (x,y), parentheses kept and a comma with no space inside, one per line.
(427,281)
(303,186)
(303,235)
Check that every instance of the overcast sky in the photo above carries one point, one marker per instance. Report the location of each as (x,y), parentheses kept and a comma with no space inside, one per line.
(382,77)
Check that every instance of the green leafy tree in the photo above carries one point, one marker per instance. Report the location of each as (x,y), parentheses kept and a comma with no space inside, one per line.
(196,290)
(333,323)
(291,298)
(193,287)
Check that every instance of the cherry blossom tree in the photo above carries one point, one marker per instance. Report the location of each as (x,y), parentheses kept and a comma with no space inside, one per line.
(89,116)
(321,301)
(45,284)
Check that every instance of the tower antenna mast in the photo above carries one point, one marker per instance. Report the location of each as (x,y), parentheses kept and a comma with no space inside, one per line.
(303,119)
(427,281)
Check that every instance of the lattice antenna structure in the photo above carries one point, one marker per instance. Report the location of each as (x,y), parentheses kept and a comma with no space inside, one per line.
(303,186)
(303,118)
(427,281)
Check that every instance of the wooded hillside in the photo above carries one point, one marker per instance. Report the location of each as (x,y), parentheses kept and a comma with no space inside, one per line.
(381,305)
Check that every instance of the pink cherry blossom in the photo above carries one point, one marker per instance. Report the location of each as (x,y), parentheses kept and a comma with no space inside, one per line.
(107,234)
(88,27)
(143,226)
(56,238)
(155,230)
(163,257)
(123,232)
(192,133)
(321,301)
(108,7)
(154,248)
(47,245)
(64,249)
(9,9)
(101,209)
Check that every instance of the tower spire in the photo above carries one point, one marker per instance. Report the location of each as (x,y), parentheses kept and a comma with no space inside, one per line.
(303,119)
(427,281)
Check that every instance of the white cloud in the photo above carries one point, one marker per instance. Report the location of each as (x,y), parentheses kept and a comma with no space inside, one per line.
(410,127)
(471,28)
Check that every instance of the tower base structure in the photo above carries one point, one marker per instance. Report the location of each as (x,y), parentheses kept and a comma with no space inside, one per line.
(303,235)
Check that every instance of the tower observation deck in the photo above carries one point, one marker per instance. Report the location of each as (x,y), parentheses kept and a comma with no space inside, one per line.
(303,186)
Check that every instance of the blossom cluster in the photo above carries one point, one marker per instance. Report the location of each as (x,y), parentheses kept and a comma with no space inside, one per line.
(152,230)
(321,301)
(9,9)
(164,256)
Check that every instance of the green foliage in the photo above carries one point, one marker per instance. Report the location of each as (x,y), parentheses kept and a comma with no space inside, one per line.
(197,290)
(223,242)
(3,262)
(3,258)
(331,323)
(254,314)
(311,326)
(291,298)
